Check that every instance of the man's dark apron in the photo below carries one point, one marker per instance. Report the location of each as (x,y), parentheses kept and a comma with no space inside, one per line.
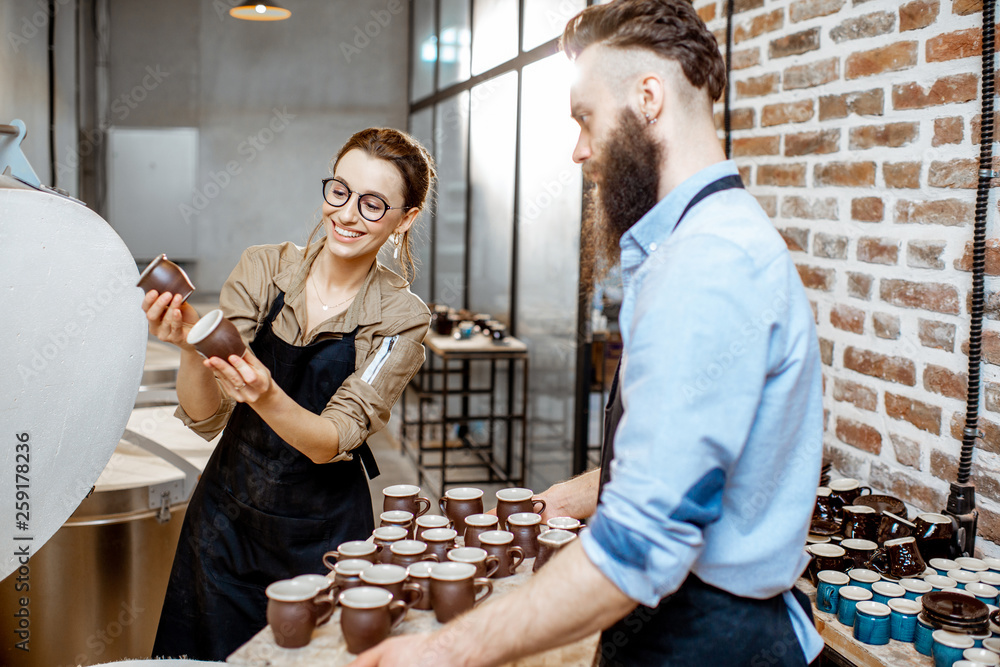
(699,624)
(262,510)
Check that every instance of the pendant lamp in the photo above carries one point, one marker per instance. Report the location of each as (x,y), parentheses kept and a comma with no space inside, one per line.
(260,12)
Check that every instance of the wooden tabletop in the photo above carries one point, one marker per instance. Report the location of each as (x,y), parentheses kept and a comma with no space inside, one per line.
(477,345)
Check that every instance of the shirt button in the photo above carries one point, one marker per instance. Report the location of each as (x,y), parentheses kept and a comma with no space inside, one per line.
(652,247)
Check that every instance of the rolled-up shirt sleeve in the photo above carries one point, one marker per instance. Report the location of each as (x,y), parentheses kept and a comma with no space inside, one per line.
(692,381)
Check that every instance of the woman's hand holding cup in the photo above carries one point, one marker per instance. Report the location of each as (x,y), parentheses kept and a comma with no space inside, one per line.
(245,378)
(170,317)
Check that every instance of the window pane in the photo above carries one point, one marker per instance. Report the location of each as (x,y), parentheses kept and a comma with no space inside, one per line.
(453,43)
(548,221)
(495,38)
(451,142)
(493,136)
(545,19)
(424,50)
(422,128)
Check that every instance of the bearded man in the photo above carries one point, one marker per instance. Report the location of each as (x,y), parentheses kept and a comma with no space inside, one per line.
(713,439)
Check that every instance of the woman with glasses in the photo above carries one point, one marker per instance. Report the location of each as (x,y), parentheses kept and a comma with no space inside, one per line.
(334,336)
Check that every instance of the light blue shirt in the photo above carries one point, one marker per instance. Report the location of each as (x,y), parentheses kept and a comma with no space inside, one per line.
(718,454)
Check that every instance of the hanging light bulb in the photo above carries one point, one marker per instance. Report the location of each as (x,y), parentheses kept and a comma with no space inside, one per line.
(260,12)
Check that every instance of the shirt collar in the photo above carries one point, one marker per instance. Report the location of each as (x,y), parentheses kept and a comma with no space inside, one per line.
(659,222)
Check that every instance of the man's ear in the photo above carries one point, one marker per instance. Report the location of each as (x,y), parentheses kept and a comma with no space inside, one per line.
(651,95)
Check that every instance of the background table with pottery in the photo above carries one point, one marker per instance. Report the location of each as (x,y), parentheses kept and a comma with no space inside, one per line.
(840,639)
(327,647)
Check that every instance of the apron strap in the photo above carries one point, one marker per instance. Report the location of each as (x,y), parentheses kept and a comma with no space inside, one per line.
(368,460)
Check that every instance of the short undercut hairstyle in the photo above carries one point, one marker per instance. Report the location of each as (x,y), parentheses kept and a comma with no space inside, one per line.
(670,29)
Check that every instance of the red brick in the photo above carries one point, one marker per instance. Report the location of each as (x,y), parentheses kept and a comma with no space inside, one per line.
(992,310)
(707,12)
(807,9)
(826,351)
(954,45)
(940,335)
(859,435)
(946,382)
(975,127)
(767,202)
(816,278)
(790,112)
(861,396)
(877,251)
(937,297)
(894,369)
(924,416)
(746,5)
(885,325)
(845,174)
(782,175)
(990,442)
(859,285)
(948,131)
(988,524)
(759,25)
(794,44)
(758,85)
(800,207)
(745,58)
(812,143)
(906,487)
(919,14)
(891,134)
(907,451)
(813,74)
(744,146)
(891,58)
(848,318)
(943,466)
(739,119)
(925,254)
(859,27)
(902,174)
(946,90)
(867,209)
(965,7)
(949,212)
(865,103)
(992,258)
(959,173)
(796,239)
(845,460)
(744,171)
(991,347)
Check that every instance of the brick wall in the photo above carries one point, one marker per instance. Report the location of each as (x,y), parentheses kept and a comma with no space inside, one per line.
(855,123)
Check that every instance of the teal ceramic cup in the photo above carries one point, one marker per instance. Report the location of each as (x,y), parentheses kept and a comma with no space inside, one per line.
(863,578)
(903,619)
(984,592)
(883,591)
(948,647)
(829,583)
(850,596)
(943,565)
(979,639)
(923,640)
(915,588)
(981,656)
(963,578)
(871,623)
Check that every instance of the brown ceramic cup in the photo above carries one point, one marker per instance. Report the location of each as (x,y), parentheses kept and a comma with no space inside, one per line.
(892,527)
(293,610)
(525,527)
(353,549)
(400,518)
(485,564)
(164,276)
(455,589)
(419,574)
(861,522)
(429,522)
(899,559)
(405,497)
(215,336)
(826,508)
(934,534)
(859,551)
(847,490)
(383,537)
(564,523)
(477,524)
(439,542)
(321,583)
(459,503)
(827,557)
(347,574)
(498,543)
(514,500)
(367,616)
(549,543)
(393,579)
(407,552)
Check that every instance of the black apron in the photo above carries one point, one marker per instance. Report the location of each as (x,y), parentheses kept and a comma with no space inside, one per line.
(262,511)
(699,624)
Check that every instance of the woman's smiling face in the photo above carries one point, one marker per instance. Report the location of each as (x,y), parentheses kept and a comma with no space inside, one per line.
(349,235)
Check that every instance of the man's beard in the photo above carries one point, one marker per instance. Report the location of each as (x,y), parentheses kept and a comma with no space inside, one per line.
(629,168)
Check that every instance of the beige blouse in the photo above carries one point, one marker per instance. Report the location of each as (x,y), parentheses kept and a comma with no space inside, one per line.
(384,310)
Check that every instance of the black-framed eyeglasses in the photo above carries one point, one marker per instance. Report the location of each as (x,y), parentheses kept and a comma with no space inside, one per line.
(371,207)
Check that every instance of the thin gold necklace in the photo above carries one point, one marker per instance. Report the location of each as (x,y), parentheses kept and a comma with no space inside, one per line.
(326,307)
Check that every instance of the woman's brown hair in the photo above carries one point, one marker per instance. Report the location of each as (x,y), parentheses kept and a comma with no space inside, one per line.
(415,166)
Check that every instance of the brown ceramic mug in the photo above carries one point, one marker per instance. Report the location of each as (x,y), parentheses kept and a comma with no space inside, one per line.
(847,490)
(367,616)
(514,500)
(429,522)
(293,610)
(477,524)
(405,497)
(459,503)
(859,551)
(892,527)
(439,542)
(347,574)
(564,523)
(164,276)
(215,336)
(861,522)
(400,518)
(419,574)
(934,534)
(384,536)
(407,552)
(498,543)
(321,583)
(353,549)
(827,508)
(899,559)
(393,579)
(485,564)
(827,557)
(525,527)
(454,589)
(549,543)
